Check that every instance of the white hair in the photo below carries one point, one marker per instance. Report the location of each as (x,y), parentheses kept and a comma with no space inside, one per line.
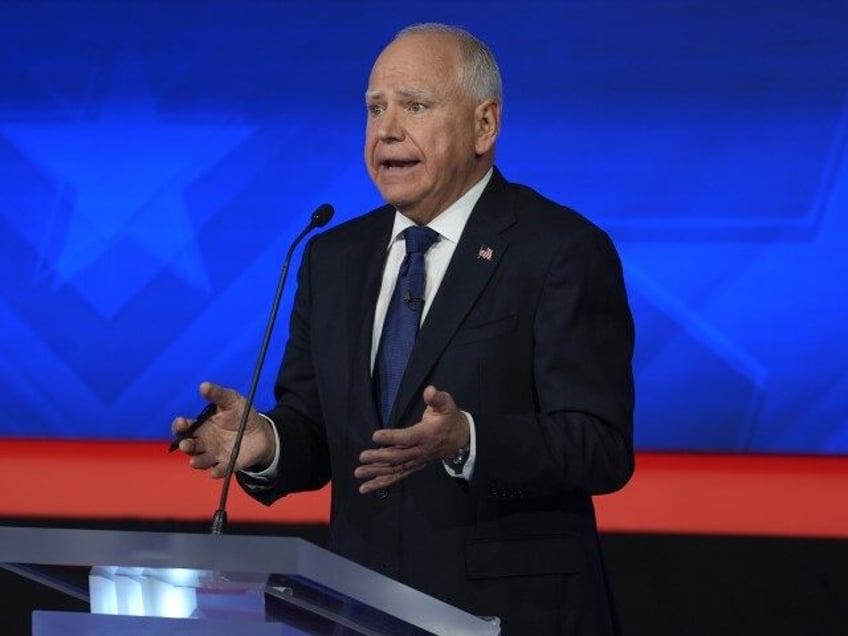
(478,75)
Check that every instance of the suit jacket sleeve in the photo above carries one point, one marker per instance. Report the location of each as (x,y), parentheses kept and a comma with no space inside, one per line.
(304,463)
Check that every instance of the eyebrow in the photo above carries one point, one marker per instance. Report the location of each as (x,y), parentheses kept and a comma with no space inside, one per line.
(409,93)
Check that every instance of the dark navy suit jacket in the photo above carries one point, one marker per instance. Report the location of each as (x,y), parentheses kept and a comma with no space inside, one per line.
(535,341)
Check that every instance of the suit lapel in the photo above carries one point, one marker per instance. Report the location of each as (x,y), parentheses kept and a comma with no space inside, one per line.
(477,255)
(364,274)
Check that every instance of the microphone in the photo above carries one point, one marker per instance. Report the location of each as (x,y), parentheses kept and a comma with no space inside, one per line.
(320,218)
(413,302)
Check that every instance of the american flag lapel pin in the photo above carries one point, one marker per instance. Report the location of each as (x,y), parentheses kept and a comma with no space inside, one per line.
(486,253)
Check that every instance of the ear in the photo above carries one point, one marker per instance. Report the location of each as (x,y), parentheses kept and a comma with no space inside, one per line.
(487,125)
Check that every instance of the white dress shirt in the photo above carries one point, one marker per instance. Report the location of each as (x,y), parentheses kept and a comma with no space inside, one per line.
(449,225)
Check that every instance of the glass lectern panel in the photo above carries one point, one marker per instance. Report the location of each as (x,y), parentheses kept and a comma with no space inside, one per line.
(189,578)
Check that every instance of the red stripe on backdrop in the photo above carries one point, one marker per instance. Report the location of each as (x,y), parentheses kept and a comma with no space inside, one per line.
(670,493)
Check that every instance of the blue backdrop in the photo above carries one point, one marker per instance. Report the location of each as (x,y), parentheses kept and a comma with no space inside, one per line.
(157,157)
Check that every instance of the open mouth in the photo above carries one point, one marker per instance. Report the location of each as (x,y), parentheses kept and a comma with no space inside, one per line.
(398,164)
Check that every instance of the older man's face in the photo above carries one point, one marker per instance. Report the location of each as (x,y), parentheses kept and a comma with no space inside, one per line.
(420,146)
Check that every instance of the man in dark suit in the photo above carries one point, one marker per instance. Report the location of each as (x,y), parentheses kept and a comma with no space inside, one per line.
(469,475)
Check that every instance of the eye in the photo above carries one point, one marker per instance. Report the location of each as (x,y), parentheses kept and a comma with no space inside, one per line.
(375,110)
(417,107)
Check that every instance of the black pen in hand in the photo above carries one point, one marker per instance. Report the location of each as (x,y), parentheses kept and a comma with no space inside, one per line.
(208,411)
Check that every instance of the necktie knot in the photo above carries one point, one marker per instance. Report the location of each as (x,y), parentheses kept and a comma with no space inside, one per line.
(419,239)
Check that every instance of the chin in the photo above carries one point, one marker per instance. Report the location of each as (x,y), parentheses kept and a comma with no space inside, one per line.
(398,197)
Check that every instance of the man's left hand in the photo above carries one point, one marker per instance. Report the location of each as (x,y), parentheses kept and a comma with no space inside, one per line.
(442,431)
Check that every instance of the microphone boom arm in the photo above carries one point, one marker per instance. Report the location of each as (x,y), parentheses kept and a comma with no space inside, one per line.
(319,218)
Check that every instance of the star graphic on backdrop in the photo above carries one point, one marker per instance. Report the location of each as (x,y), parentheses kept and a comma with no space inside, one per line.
(764,308)
(124,174)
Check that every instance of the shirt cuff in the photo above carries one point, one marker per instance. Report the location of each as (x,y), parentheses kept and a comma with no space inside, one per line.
(468,467)
(270,473)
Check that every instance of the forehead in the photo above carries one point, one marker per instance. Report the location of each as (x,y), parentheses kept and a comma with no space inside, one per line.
(421,61)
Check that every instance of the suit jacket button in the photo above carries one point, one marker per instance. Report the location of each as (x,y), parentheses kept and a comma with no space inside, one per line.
(381,493)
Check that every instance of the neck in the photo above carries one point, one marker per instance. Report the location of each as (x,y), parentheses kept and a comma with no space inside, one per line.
(424,217)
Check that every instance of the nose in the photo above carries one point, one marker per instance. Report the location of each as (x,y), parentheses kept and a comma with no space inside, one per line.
(390,126)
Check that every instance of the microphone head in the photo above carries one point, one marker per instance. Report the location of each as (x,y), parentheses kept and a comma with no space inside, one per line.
(322,215)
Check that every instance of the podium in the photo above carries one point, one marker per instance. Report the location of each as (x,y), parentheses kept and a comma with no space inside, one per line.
(179,584)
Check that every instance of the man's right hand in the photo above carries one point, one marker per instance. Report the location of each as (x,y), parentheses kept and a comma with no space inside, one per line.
(210,446)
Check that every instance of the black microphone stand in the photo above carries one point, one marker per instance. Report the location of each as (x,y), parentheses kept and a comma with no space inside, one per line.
(319,218)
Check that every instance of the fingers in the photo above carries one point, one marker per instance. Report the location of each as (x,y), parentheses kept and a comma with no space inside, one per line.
(390,456)
(439,401)
(208,447)
(218,470)
(180,425)
(200,458)
(223,397)
(372,471)
(385,476)
(382,467)
(188,446)
(203,461)
(397,437)
(429,394)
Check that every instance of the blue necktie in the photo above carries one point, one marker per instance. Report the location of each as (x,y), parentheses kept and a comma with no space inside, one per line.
(403,318)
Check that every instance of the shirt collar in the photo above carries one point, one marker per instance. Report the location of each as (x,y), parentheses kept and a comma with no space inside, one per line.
(450,223)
